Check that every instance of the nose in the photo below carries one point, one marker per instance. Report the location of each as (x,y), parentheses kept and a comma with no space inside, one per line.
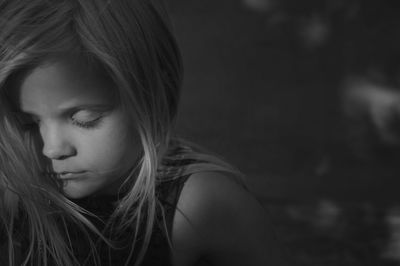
(56,144)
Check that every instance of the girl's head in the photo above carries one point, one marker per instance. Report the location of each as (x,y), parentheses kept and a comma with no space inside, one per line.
(86,136)
(100,79)
(88,88)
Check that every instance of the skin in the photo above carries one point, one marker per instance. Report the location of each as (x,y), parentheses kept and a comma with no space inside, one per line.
(82,130)
(219,223)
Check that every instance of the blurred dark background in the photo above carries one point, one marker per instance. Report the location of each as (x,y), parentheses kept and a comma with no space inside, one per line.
(302,96)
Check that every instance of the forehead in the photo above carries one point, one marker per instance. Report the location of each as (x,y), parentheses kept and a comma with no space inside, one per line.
(63,82)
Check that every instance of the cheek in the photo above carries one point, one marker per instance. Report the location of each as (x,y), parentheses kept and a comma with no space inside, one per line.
(116,146)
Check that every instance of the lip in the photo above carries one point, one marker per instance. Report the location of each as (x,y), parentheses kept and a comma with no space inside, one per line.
(70,175)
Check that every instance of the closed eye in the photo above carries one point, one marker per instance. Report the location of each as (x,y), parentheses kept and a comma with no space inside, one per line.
(87,118)
(26,121)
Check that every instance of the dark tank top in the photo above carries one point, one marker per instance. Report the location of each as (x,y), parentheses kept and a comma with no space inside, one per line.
(158,252)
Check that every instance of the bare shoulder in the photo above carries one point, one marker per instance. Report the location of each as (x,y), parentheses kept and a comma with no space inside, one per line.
(219,221)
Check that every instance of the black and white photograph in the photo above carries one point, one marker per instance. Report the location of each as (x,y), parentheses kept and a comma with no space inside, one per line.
(199,133)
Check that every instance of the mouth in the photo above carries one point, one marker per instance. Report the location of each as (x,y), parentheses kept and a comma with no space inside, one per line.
(70,175)
(65,175)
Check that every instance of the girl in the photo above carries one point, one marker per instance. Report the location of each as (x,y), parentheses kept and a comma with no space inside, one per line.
(90,173)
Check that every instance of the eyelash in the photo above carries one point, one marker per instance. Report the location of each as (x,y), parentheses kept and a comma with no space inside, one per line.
(87,124)
(27,124)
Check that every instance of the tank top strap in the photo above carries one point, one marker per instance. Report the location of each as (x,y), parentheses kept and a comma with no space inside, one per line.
(169,194)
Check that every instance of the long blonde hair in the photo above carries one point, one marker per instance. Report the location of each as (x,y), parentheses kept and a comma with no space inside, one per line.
(132,42)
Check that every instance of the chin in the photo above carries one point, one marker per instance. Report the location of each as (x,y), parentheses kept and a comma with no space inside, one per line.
(77,190)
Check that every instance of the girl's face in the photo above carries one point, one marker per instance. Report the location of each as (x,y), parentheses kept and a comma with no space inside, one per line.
(88,138)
